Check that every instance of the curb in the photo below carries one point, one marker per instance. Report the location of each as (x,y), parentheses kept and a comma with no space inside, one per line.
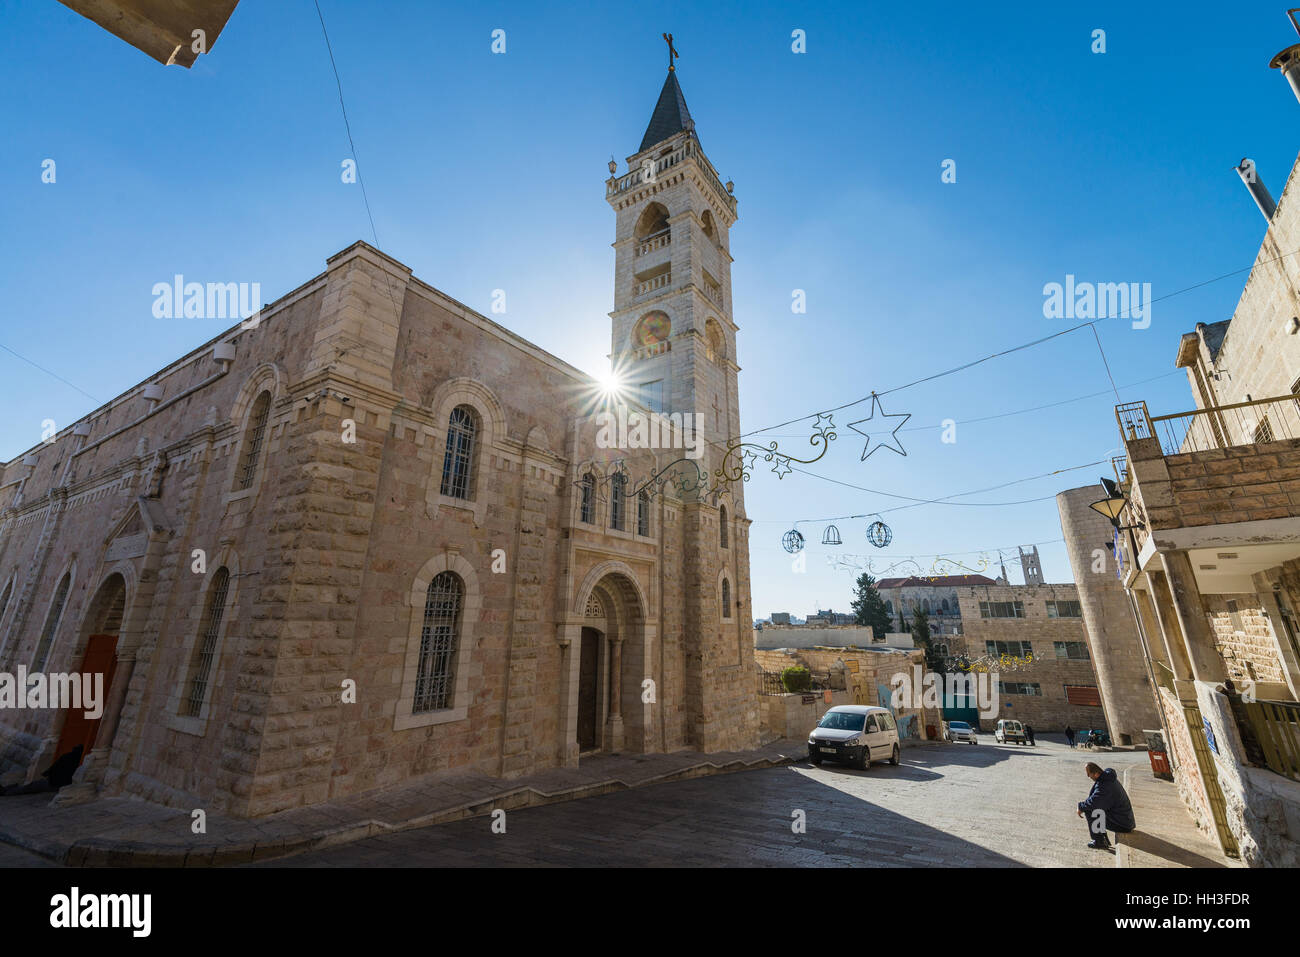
(96,852)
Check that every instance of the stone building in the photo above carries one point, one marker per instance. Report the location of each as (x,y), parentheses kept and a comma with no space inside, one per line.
(936,596)
(370,534)
(1208,536)
(1114,644)
(1033,636)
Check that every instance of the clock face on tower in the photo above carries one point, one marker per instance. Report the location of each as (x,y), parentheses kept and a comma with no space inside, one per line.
(652,329)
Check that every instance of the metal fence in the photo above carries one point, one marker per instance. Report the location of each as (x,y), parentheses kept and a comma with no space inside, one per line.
(1254,422)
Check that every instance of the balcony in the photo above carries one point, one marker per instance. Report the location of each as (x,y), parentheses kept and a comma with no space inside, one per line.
(654,241)
(690,149)
(1213,466)
(642,287)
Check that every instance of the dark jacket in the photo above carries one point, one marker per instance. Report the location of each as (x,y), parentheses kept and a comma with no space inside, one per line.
(1108,795)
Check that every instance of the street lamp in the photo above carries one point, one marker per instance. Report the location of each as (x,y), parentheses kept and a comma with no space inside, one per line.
(1112,506)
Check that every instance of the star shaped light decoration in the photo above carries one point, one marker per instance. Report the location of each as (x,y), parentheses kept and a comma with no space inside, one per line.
(782,467)
(894,443)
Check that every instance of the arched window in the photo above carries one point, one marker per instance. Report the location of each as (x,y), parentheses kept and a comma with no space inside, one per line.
(205,648)
(643,514)
(458,461)
(722,526)
(51,623)
(889,606)
(653,221)
(439,638)
(589,499)
(617,501)
(925,605)
(254,438)
(715,344)
(726,598)
(945,606)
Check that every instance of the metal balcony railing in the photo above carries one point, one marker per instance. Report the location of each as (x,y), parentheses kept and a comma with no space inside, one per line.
(1255,422)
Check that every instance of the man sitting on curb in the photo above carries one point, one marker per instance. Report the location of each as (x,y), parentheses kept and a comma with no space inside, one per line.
(1107,807)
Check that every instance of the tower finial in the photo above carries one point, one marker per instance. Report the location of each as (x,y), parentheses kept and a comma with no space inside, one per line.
(672,52)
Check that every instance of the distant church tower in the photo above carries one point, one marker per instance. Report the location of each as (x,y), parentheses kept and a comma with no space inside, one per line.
(673,338)
(1031,566)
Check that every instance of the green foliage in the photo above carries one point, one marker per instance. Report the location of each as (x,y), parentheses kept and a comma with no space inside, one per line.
(869,606)
(796,679)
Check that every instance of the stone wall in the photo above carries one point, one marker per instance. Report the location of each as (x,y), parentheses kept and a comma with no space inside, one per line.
(1050,710)
(1244,639)
(330,550)
(1118,660)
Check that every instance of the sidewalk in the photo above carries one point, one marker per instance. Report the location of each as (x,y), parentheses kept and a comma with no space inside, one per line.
(1165,836)
(126,832)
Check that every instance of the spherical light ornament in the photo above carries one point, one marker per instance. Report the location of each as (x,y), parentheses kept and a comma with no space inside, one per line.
(878,534)
(792,541)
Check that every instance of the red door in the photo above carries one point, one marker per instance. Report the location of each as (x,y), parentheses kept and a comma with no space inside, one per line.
(101,658)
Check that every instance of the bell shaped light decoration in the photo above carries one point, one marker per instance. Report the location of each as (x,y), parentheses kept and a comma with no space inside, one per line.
(831,536)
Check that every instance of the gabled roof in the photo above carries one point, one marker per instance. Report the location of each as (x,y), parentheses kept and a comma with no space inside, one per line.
(670,116)
(939,581)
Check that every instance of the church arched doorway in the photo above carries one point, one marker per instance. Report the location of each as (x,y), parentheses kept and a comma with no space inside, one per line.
(102,625)
(589,690)
(610,669)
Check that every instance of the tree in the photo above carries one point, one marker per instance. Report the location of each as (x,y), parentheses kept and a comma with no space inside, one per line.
(870,607)
(921,635)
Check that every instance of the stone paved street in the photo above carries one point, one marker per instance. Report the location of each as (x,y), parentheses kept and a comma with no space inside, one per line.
(946,805)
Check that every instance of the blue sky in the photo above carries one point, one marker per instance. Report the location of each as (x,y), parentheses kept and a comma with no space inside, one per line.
(487,171)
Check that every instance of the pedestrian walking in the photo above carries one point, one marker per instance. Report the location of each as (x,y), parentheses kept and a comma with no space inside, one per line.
(1106,808)
(1029,733)
(1069,735)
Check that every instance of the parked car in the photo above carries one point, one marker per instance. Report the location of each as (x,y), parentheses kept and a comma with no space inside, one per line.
(961,731)
(855,734)
(1008,730)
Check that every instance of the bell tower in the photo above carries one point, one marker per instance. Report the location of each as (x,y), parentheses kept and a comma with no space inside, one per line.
(673,345)
(673,337)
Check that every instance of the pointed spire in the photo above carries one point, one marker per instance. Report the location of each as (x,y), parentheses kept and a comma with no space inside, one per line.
(670,116)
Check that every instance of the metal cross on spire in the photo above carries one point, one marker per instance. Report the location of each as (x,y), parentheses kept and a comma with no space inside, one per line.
(672,52)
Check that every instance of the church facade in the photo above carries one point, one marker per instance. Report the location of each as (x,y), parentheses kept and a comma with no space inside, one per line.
(369,534)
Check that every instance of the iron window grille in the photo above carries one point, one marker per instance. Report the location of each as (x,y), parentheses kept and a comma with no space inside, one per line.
(617,502)
(722,526)
(439,637)
(726,598)
(253,445)
(1064,609)
(207,650)
(1075,650)
(457,463)
(589,499)
(642,517)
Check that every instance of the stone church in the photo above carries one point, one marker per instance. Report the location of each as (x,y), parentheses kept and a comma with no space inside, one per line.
(369,534)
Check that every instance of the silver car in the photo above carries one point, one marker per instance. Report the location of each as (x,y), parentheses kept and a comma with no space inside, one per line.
(961,731)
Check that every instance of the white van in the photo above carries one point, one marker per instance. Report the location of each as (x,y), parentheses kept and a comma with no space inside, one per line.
(855,734)
(1009,729)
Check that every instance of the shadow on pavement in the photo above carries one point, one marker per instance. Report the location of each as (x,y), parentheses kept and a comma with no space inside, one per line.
(770,818)
(1154,846)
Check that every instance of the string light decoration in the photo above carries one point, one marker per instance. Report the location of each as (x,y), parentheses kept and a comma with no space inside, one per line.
(831,536)
(792,541)
(879,534)
(691,482)
(893,443)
